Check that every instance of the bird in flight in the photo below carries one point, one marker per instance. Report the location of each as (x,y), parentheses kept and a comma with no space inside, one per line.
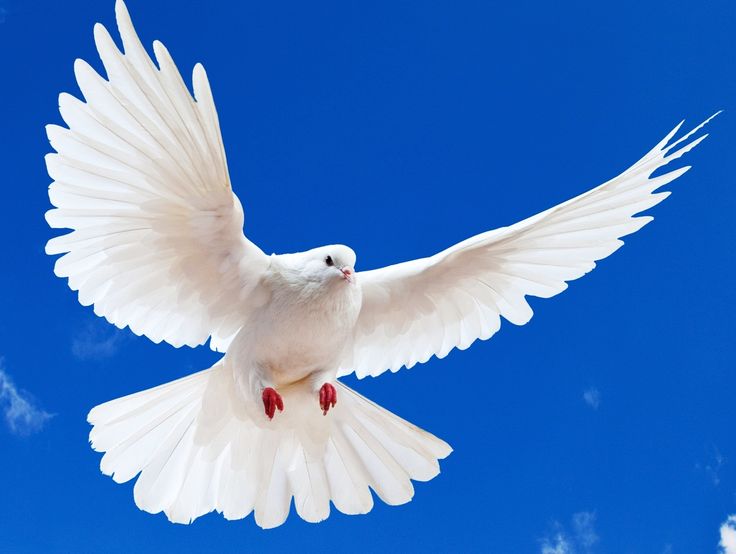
(156,244)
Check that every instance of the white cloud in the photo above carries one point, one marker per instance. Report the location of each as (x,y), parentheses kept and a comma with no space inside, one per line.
(712,468)
(556,545)
(97,341)
(21,415)
(581,540)
(583,524)
(592,397)
(728,536)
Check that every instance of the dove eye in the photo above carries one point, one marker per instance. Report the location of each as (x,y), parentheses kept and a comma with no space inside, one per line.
(328,261)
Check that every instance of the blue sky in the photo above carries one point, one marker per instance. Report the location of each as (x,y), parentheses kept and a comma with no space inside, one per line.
(603,426)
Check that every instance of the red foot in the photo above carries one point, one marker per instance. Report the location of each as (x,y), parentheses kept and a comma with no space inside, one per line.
(327,398)
(271,401)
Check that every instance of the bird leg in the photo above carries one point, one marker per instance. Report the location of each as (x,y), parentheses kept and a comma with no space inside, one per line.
(271,401)
(327,398)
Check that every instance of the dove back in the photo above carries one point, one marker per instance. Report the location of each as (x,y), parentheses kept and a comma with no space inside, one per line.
(199,448)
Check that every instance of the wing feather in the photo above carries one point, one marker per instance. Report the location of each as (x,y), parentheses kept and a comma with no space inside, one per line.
(140,177)
(414,310)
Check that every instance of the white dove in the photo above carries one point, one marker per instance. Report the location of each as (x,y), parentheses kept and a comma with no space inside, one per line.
(140,177)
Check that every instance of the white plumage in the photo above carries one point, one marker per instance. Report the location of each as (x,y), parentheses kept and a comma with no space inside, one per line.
(140,176)
(414,310)
(200,448)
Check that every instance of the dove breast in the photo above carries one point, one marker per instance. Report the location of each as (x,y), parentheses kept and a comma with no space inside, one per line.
(304,327)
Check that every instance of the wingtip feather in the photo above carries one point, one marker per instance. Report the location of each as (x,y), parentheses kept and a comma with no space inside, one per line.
(691,133)
(121,10)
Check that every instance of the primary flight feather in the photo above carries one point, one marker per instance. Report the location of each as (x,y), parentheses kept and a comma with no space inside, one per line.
(157,245)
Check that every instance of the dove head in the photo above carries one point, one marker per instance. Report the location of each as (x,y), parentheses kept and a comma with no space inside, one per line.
(329,264)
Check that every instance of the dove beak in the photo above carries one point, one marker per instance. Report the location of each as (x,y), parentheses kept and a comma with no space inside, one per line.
(347,273)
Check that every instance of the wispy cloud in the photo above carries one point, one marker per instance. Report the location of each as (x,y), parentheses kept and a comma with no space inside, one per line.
(712,468)
(728,536)
(592,397)
(581,539)
(22,416)
(583,524)
(557,544)
(98,340)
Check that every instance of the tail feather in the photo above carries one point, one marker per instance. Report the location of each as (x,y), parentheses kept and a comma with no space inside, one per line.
(348,484)
(417,449)
(121,408)
(199,448)
(387,477)
(273,501)
(125,460)
(159,481)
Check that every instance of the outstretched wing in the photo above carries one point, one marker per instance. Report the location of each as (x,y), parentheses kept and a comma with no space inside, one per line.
(423,308)
(140,176)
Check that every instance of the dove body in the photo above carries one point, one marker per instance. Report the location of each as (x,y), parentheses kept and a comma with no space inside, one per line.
(302,331)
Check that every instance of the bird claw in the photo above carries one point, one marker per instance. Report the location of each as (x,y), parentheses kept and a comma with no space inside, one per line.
(271,401)
(327,398)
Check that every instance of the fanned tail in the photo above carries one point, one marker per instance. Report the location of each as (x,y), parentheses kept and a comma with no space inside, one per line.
(199,448)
